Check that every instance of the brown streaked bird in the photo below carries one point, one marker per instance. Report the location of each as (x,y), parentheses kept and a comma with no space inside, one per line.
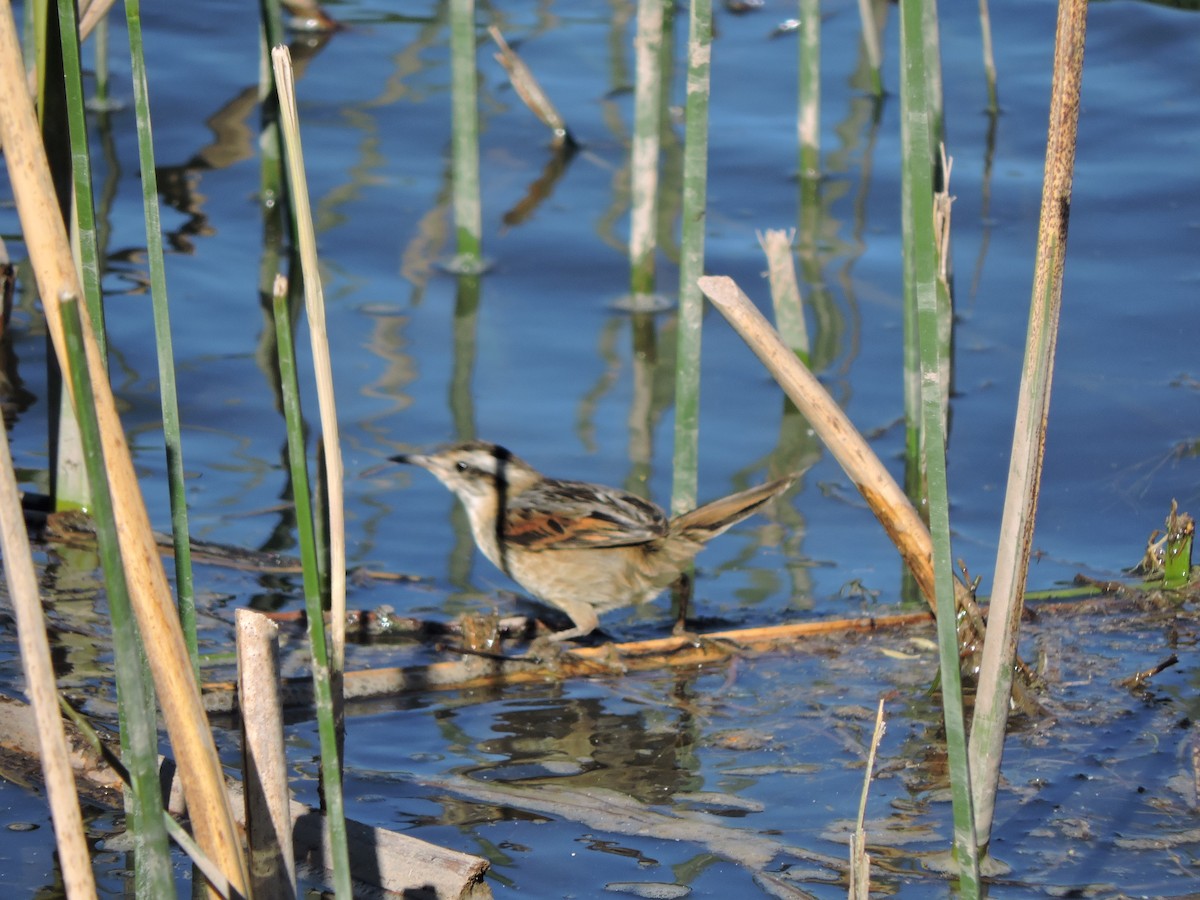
(581,547)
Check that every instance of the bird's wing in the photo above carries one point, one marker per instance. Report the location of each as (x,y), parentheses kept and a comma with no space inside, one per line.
(561,515)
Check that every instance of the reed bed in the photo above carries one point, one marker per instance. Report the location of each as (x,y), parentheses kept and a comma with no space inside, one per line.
(152,636)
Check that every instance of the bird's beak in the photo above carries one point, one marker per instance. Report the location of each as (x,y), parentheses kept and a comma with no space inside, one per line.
(415,459)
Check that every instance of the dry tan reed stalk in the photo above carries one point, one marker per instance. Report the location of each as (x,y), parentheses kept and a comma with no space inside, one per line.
(40,686)
(314,304)
(886,499)
(1029,431)
(50,252)
(860,860)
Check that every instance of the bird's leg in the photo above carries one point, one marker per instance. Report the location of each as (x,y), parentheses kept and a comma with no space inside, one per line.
(582,613)
(681,598)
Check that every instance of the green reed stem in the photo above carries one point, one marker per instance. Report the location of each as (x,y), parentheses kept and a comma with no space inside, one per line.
(989,59)
(85,215)
(331,778)
(1029,432)
(647,119)
(918,153)
(153,874)
(464,138)
(162,336)
(691,260)
(272,185)
(100,70)
(870,36)
(809,70)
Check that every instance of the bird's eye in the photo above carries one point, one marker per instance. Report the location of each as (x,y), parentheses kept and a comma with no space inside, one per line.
(461,466)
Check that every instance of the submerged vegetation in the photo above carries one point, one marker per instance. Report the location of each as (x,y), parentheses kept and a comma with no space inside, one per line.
(247,850)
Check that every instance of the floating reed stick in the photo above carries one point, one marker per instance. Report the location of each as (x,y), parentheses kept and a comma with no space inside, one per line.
(50,253)
(1029,433)
(691,260)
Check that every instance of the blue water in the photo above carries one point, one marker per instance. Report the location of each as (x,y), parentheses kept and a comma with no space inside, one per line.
(551,362)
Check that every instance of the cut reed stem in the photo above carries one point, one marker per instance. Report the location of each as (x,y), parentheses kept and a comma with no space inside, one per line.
(264,758)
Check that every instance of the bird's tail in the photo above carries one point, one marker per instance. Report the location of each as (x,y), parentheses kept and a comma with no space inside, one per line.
(706,522)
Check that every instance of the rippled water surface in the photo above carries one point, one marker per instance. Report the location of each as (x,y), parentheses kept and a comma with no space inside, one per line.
(754,767)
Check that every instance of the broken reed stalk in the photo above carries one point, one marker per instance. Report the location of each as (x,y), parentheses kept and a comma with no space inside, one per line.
(860,860)
(1029,432)
(691,259)
(530,91)
(464,140)
(40,685)
(314,305)
(917,111)
(647,113)
(50,253)
(884,497)
(331,770)
(264,758)
(168,397)
(137,714)
(786,300)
